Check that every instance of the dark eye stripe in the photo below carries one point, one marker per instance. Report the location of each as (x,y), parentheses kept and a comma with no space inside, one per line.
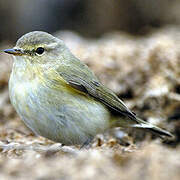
(28,52)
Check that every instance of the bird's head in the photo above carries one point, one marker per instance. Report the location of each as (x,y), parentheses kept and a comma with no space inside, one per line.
(38,47)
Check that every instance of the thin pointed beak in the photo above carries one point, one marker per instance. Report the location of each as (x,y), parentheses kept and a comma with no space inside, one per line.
(15,52)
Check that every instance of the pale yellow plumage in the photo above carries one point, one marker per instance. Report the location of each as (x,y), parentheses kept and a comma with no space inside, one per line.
(58,96)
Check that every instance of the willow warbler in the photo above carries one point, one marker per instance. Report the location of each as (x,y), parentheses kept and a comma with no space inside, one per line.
(59,97)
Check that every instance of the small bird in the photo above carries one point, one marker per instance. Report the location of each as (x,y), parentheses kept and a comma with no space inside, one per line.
(59,97)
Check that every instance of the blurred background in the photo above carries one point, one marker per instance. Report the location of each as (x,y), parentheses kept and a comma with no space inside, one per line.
(133,46)
(88,17)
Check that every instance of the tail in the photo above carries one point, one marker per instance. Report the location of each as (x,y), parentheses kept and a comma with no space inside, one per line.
(154,129)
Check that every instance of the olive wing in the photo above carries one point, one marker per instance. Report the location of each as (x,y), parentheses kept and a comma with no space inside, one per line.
(88,83)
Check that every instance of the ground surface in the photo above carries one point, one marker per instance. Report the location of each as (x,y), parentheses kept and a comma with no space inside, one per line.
(145,72)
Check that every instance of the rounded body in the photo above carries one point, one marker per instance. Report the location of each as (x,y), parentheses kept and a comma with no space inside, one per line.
(59,97)
(59,113)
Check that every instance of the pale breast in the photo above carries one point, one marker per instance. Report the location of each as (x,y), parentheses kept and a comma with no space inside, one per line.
(57,113)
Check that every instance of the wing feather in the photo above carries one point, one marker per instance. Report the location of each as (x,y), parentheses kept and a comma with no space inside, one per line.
(79,76)
(85,81)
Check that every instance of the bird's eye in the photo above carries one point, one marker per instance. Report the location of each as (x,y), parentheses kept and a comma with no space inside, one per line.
(39,50)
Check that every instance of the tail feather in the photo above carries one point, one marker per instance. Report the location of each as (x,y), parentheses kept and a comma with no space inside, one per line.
(154,129)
